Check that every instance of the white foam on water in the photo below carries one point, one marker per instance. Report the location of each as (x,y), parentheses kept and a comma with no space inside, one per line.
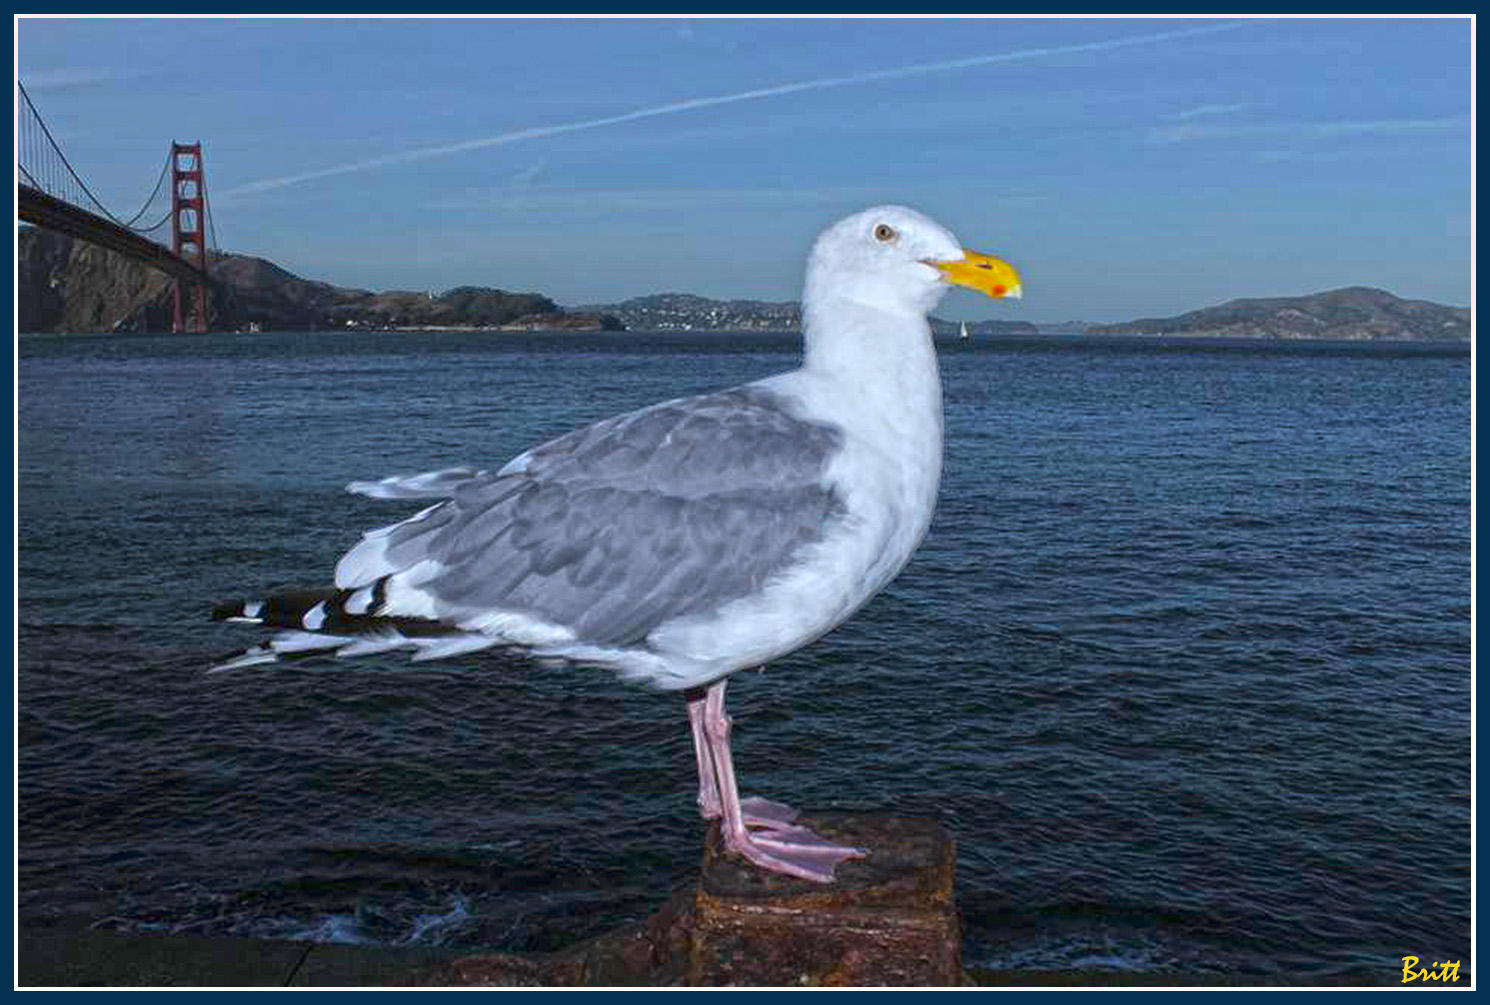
(425,923)
(337,928)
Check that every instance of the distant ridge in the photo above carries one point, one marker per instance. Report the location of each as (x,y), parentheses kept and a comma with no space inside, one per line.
(1354,312)
(690,312)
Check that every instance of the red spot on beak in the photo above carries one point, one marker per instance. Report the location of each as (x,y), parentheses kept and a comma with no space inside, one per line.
(999,291)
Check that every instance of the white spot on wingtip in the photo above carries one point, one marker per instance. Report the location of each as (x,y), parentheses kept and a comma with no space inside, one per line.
(359,602)
(315,617)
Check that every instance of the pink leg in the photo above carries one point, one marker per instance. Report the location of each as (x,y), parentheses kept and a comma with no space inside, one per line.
(757,812)
(709,806)
(775,843)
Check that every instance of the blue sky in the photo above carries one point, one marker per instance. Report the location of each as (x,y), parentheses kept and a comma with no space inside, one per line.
(1129,166)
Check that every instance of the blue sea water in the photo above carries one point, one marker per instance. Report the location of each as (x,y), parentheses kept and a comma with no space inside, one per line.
(1184,662)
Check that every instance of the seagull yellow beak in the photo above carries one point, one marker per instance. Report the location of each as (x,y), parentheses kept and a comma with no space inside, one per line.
(980,272)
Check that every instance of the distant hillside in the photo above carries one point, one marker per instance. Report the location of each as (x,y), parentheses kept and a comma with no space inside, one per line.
(72,286)
(1355,312)
(255,291)
(689,312)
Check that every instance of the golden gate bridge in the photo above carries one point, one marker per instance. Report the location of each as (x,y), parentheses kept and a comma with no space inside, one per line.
(51,194)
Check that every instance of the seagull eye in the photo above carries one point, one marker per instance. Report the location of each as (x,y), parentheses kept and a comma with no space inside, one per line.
(884,232)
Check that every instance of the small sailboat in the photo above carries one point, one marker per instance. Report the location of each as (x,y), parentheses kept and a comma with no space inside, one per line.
(964,330)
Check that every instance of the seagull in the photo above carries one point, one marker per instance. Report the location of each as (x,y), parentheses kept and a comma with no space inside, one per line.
(680,543)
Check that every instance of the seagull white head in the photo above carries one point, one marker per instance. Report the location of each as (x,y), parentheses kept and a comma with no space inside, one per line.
(894,257)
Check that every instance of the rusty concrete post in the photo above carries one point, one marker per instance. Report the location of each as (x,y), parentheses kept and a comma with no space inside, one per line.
(890,919)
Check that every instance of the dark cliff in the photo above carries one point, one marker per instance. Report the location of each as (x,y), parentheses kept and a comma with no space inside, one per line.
(72,286)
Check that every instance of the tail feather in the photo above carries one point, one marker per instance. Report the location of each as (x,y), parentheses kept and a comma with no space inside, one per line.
(329,610)
(318,620)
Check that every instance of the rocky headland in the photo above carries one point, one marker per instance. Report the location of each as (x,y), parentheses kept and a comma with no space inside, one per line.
(65,285)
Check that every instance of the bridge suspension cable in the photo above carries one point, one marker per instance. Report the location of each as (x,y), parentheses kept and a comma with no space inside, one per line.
(52,194)
(44,166)
(165,169)
(215,247)
(52,174)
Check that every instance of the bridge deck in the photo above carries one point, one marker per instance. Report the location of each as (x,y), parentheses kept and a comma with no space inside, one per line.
(47,211)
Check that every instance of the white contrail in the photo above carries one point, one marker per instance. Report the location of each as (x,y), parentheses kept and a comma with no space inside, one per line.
(821,83)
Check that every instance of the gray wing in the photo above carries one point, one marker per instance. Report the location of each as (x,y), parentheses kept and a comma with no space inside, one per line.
(614,529)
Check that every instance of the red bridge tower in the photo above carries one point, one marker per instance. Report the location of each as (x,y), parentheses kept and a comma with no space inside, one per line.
(188,240)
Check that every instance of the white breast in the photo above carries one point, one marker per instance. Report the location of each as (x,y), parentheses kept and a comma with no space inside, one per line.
(887,474)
